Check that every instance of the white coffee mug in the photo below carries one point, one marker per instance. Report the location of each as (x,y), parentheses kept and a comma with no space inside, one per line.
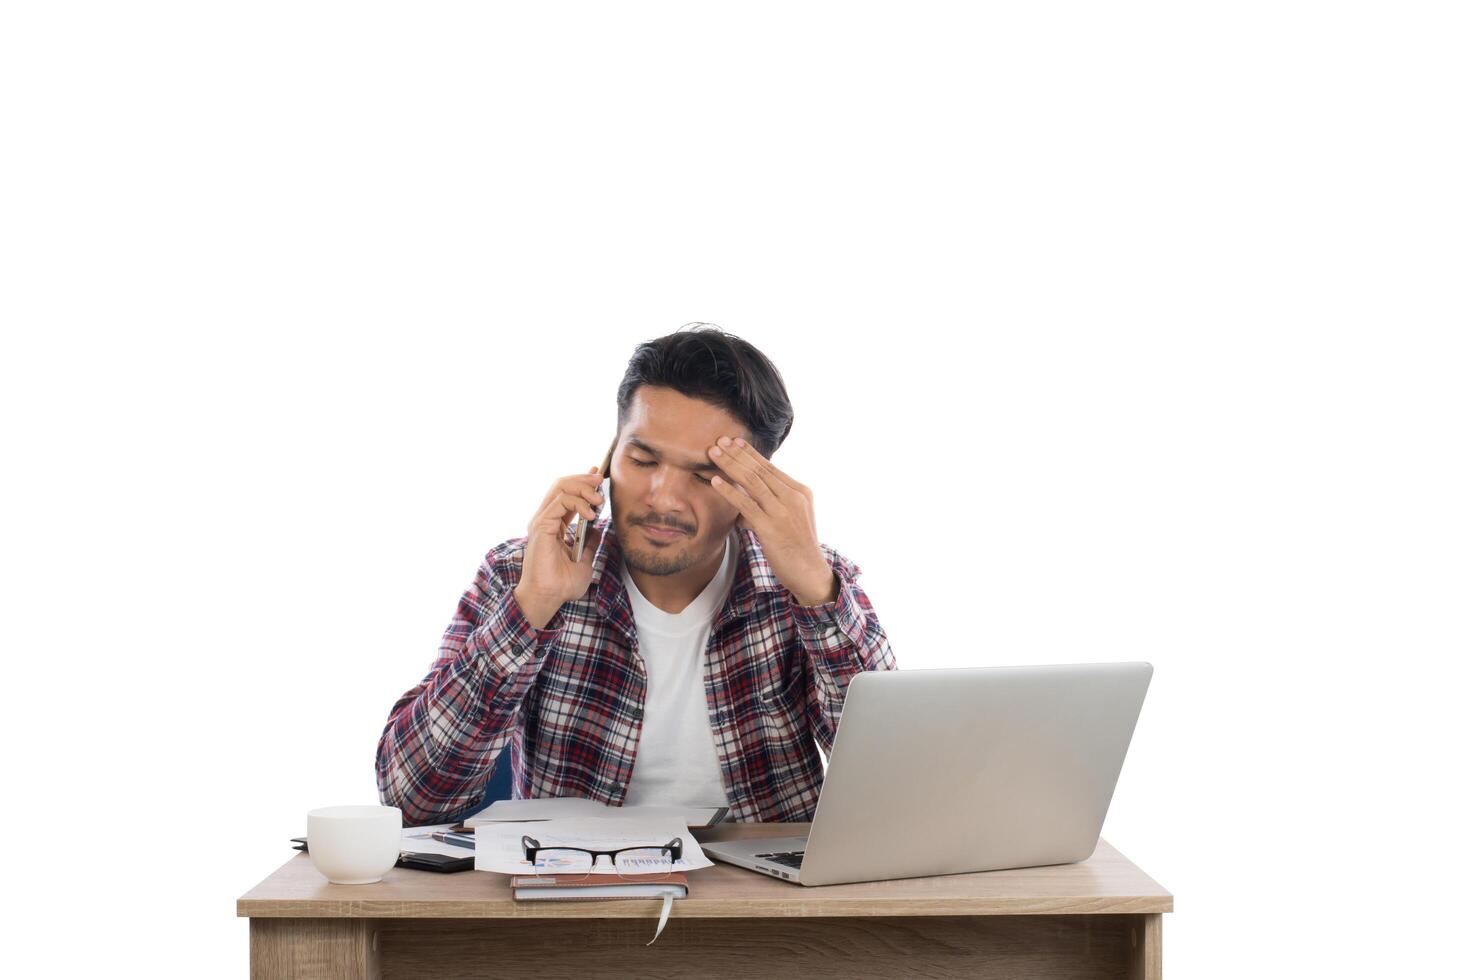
(354,845)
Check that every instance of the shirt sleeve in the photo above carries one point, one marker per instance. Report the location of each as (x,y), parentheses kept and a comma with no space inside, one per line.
(840,639)
(444,734)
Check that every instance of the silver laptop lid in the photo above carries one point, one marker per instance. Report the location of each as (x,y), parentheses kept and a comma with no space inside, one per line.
(947,771)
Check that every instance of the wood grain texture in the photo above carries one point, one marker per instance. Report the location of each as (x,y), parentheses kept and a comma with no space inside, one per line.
(1013,947)
(340,949)
(1147,948)
(1105,884)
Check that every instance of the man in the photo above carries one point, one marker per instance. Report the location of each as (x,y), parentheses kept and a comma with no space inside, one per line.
(696,655)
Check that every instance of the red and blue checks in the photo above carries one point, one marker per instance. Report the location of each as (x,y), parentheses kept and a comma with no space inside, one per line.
(567,700)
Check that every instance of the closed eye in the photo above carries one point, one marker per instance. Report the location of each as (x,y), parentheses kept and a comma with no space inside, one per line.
(646,463)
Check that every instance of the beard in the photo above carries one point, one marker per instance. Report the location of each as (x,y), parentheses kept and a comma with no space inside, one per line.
(664,561)
(657,563)
(670,560)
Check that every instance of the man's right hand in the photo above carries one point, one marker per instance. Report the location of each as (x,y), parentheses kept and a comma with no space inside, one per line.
(548,576)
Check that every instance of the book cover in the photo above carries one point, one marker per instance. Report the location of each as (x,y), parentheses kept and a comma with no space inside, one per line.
(531,887)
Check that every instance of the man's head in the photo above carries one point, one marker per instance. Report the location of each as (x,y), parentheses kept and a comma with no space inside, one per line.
(679,395)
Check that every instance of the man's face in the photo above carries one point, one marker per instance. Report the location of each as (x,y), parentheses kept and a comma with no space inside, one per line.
(660,476)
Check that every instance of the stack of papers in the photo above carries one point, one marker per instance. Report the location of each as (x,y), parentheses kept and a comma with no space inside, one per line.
(560,808)
(585,823)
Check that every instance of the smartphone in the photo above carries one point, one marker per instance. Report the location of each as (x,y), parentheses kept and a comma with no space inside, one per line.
(582,522)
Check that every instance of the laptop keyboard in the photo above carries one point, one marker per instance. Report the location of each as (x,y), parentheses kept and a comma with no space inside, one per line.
(791,859)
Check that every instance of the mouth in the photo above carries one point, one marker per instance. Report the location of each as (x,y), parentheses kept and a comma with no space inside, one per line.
(656,533)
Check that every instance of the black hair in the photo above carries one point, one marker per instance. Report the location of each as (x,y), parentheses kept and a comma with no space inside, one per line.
(715,367)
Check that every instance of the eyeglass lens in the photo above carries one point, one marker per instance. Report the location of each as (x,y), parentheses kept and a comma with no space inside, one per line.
(639,862)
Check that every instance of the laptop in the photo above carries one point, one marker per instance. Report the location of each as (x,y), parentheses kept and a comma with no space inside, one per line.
(937,772)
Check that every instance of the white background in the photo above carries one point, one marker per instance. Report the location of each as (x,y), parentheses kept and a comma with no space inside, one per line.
(1114,331)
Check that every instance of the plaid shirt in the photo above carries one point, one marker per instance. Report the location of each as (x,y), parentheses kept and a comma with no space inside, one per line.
(568,699)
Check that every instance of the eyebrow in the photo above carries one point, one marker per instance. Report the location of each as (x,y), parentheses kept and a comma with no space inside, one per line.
(704,467)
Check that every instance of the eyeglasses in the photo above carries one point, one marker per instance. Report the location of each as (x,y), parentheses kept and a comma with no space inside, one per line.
(644,863)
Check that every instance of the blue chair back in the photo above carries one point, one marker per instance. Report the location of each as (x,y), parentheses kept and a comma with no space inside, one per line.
(497,787)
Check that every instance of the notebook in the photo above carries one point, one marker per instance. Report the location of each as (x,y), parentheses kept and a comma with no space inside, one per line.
(591,887)
(583,887)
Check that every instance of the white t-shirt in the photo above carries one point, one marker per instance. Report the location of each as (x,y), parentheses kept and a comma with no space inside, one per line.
(676,764)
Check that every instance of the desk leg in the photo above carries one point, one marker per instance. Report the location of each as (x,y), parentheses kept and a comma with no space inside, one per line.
(1147,947)
(311,948)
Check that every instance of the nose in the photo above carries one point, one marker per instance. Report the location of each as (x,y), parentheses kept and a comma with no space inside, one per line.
(666,497)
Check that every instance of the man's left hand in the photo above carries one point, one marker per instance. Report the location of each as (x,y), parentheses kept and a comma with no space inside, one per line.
(780,512)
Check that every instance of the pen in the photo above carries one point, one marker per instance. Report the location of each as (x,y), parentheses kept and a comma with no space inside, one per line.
(581,528)
(458,840)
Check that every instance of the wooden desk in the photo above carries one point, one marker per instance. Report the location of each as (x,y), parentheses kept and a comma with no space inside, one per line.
(1099,918)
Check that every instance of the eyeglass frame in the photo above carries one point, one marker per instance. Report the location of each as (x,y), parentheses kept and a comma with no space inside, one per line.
(532,847)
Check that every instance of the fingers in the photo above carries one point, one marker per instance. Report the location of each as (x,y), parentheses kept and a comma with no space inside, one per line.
(559,511)
(585,484)
(575,503)
(776,478)
(741,467)
(741,501)
(745,461)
